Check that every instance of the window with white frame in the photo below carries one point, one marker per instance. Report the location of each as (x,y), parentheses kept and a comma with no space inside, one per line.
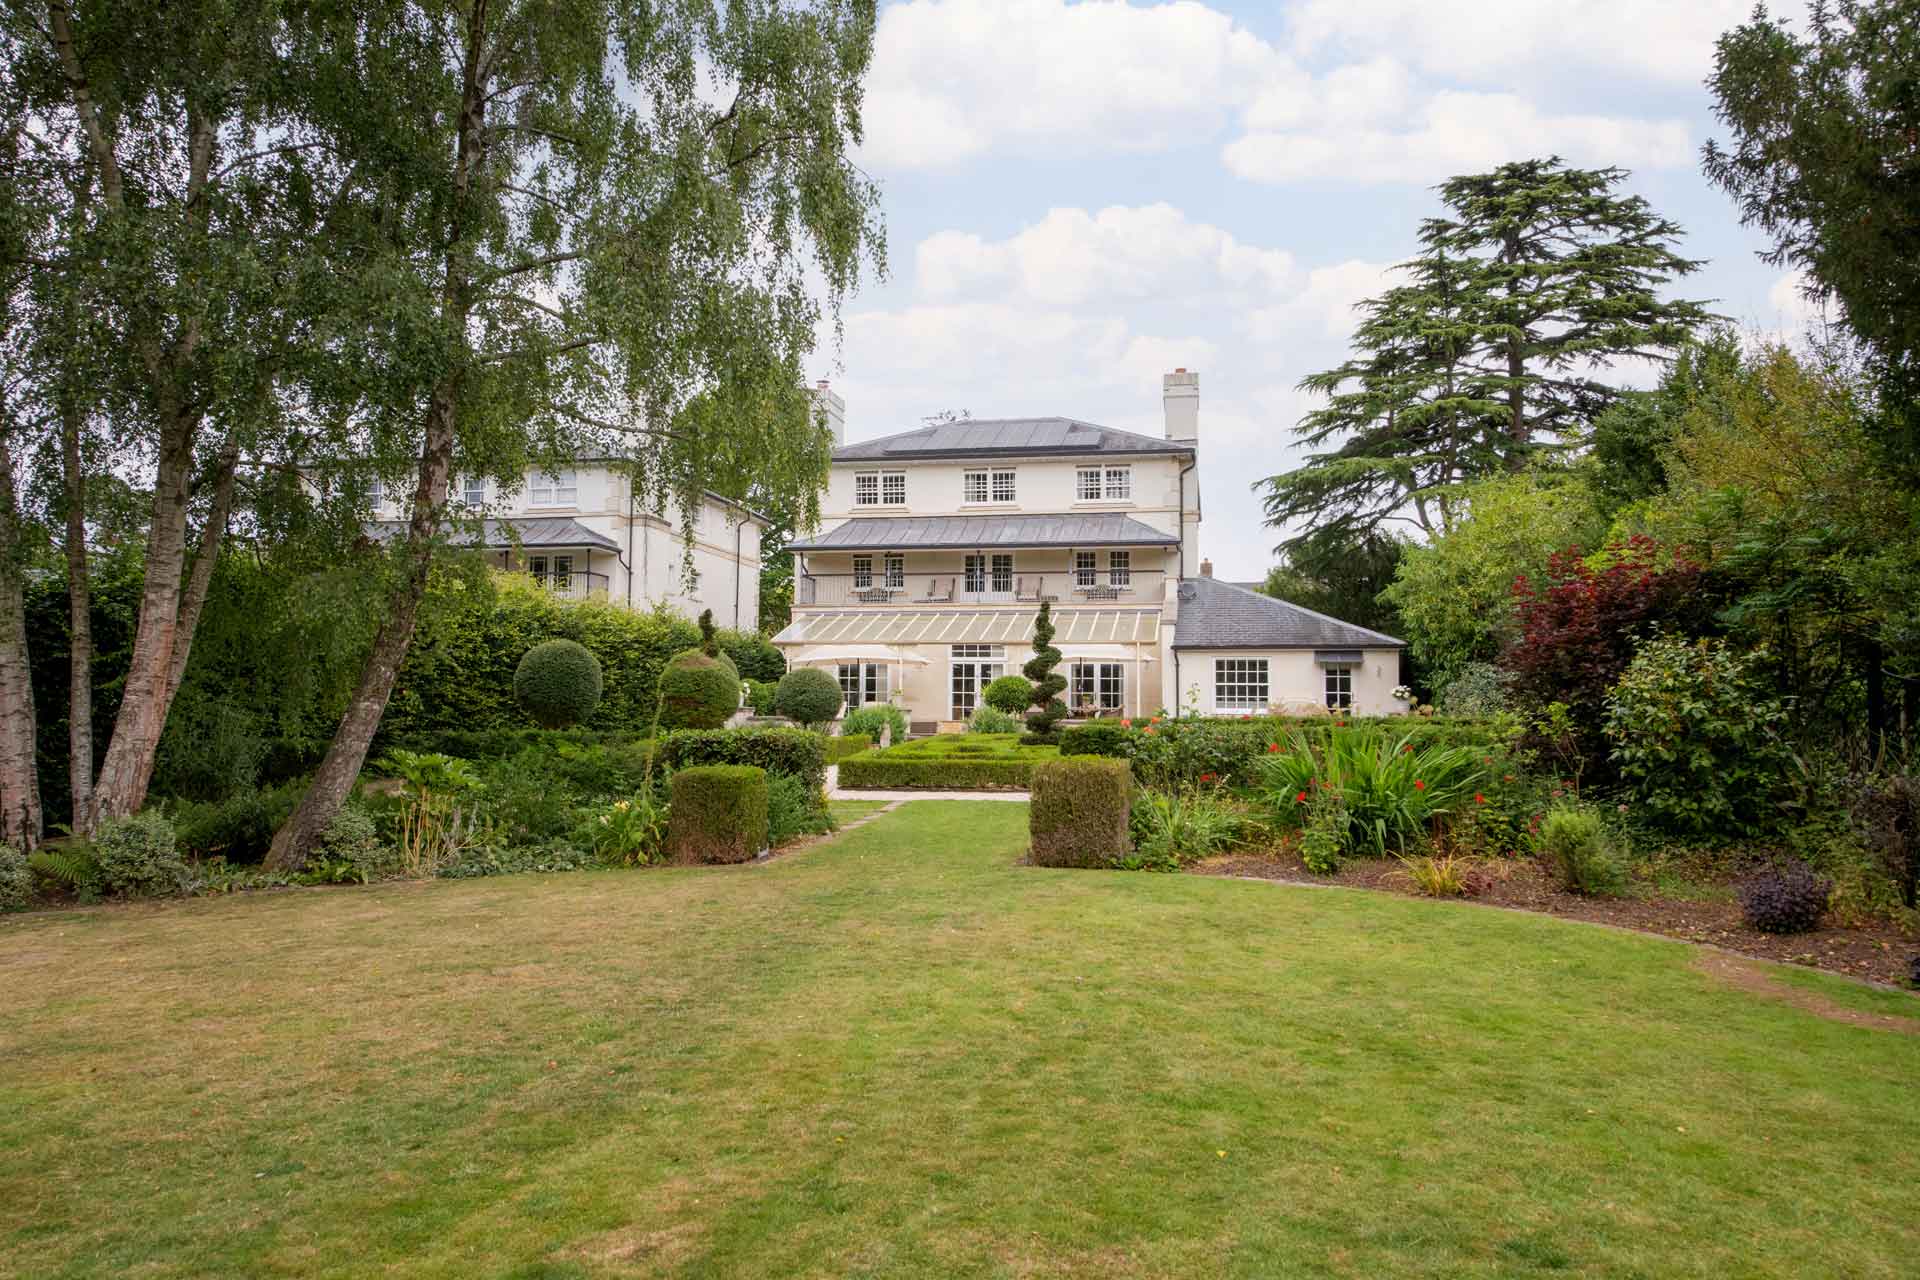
(976,573)
(1097,686)
(973,486)
(1119,487)
(975,666)
(862,572)
(553,489)
(893,488)
(1239,684)
(986,486)
(1339,688)
(863,682)
(896,571)
(1003,486)
(473,491)
(866,489)
(1120,568)
(1087,482)
(1002,573)
(1084,568)
(377,492)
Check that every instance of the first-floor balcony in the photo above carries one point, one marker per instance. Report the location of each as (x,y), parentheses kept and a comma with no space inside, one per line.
(572,584)
(1068,586)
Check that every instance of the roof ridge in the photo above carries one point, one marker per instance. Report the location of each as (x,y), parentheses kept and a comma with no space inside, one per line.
(1311,613)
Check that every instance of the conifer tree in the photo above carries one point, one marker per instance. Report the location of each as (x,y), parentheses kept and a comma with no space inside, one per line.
(1048,709)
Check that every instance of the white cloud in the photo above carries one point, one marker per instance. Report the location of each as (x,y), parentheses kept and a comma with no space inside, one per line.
(1505,42)
(1072,256)
(1326,306)
(1453,132)
(1795,315)
(953,78)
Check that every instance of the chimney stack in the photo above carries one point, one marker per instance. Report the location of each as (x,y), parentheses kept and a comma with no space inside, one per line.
(1206,568)
(834,408)
(1180,393)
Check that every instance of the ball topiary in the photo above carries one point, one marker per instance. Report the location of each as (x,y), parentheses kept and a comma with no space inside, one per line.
(1786,898)
(809,695)
(1011,694)
(698,691)
(557,684)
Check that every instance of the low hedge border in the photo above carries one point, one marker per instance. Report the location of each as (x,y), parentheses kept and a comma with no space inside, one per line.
(883,772)
(847,745)
(791,751)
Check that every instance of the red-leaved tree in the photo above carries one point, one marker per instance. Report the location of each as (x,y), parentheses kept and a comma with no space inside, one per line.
(1576,631)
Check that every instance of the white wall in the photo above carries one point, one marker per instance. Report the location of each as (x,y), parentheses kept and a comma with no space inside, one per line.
(1292,676)
(1042,486)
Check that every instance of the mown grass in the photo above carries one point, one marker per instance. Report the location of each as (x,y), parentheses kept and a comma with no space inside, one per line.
(902,1053)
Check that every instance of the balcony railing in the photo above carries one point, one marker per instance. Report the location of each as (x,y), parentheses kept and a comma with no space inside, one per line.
(579,584)
(1064,587)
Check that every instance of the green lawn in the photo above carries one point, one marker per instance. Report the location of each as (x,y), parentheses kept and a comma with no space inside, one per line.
(901,1053)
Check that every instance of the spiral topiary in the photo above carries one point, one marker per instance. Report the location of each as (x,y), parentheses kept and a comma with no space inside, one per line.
(557,684)
(809,695)
(1048,709)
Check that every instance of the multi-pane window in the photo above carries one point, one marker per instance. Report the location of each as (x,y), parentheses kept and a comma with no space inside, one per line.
(1339,688)
(473,491)
(1087,484)
(975,666)
(1119,484)
(893,488)
(863,682)
(1239,684)
(1120,568)
(1103,484)
(1003,573)
(987,486)
(377,492)
(973,486)
(880,489)
(1097,686)
(553,489)
(1084,568)
(896,570)
(862,572)
(1003,486)
(998,651)
(976,574)
(866,489)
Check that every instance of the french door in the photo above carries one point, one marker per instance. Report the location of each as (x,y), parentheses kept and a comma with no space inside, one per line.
(975,666)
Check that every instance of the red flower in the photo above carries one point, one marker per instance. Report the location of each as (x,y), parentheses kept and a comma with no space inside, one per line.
(1418,785)
(1272,747)
(1301,798)
(1206,777)
(1478,798)
(1407,750)
(1126,723)
(1148,731)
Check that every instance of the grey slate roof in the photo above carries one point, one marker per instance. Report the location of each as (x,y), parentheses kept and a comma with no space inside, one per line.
(533,531)
(1008,438)
(1221,615)
(1107,528)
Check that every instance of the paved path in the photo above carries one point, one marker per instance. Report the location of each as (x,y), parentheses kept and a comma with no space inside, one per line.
(835,793)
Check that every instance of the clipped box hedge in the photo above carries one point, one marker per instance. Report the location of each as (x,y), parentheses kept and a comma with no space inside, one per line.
(777,750)
(884,771)
(847,744)
(1079,812)
(718,814)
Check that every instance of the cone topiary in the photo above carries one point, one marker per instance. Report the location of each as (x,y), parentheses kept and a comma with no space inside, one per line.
(557,684)
(1048,710)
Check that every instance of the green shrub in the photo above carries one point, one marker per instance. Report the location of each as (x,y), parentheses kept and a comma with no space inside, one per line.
(477,860)
(698,692)
(1576,841)
(796,752)
(558,684)
(1011,694)
(793,811)
(718,814)
(847,744)
(139,857)
(1698,740)
(1095,738)
(1477,689)
(630,832)
(993,720)
(499,744)
(808,695)
(1325,833)
(1047,710)
(352,839)
(1391,789)
(1172,829)
(884,771)
(1172,753)
(754,656)
(73,868)
(1080,813)
(874,717)
(16,879)
(239,828)
(760,695)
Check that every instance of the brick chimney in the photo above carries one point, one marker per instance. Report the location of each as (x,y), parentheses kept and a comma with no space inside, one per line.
(1206,568)
(1180,393)
(834,408)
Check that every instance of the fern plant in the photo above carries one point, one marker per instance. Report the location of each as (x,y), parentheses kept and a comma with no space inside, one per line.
(71,867)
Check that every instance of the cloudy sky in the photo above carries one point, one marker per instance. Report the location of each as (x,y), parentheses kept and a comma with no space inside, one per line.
(1082,196)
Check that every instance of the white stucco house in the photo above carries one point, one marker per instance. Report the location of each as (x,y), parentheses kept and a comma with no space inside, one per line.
(937,545)
(585,534)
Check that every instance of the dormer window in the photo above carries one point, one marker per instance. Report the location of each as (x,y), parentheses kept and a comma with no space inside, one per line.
(553,489)
(987,486)
(880,489)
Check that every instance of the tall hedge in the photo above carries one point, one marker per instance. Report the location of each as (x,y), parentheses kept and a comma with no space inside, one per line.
(718,814)
(1079,811)
(781,750)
